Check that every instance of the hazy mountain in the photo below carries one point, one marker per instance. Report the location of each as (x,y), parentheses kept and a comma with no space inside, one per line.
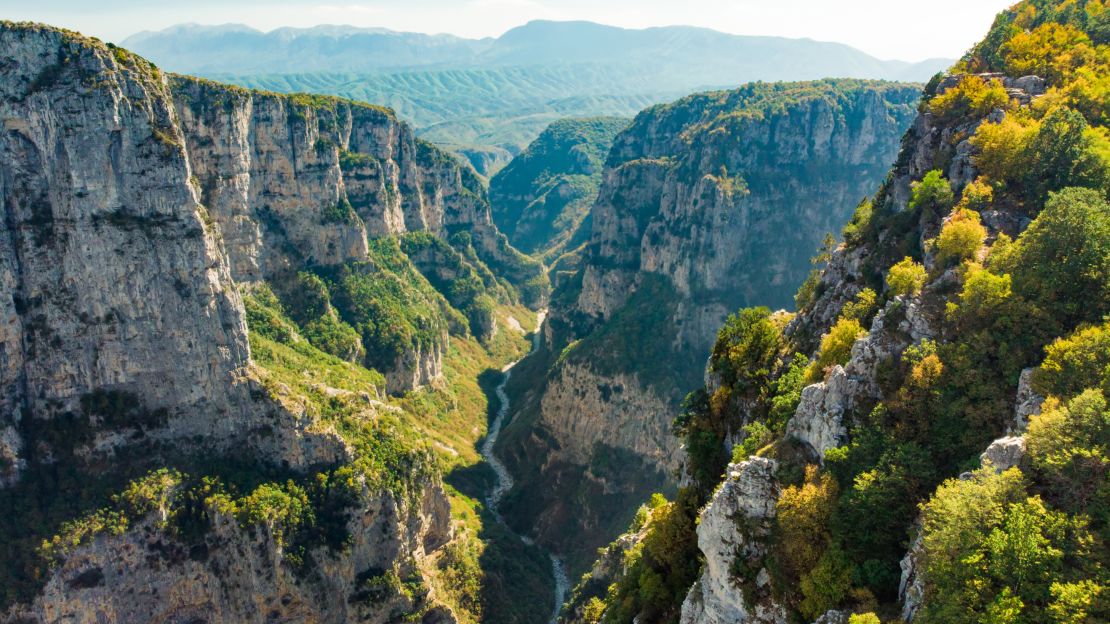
(704,56)
(489,98)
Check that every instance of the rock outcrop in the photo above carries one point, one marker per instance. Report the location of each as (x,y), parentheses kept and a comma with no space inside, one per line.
(236,575)
(735,526)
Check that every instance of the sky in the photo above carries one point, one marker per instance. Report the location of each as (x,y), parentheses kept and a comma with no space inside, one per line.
(888,29)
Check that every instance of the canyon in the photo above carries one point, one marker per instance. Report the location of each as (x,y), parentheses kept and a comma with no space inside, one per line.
(830,351)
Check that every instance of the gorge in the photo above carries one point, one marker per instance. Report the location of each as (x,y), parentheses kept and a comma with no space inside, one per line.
(822,352)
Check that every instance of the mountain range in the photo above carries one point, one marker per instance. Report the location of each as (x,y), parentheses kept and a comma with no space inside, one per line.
(488,98)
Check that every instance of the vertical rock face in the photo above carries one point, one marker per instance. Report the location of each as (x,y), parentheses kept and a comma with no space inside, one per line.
(300,181)
(112,277)
(296,180)
(706,205)
(131,206)
(735,526)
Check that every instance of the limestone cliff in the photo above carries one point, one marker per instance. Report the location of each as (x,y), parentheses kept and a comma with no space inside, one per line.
(139,211)
(707,204)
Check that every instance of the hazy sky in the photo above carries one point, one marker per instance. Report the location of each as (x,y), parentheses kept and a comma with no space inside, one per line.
(902,29)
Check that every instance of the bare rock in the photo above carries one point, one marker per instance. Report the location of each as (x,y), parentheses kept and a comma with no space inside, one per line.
(1027,403)
(736,523)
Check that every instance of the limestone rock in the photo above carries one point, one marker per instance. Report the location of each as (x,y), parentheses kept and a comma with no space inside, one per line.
(819,419)
(234,575)
(911,586)
(1004,453)
(736,523)
(1027,403)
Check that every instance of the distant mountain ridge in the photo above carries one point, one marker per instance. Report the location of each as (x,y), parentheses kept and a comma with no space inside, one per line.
(725,58)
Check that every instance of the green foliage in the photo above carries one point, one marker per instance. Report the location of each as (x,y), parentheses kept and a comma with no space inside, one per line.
(961,238)
(801,517)
(1069,447)
(659,571)
(643,326)
(863,308)
(836,347)
(747,347)
(971,98)
(906,278)
(341,212)
(1075,363)
(543,195)
(1062,261)
(932,194)
(860,228)
(1029,158)
(989,548)
(756,436)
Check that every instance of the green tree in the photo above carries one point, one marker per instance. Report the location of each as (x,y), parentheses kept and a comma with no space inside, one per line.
(906,277)
(961,238)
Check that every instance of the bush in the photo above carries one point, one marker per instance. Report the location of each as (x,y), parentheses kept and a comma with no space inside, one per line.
(1075,363)
(932,193)
(960,239)
(836,348)
(971,98)
(863,307)
(801,520)
(859,228)
(982,294)
(747,347)
(906,278)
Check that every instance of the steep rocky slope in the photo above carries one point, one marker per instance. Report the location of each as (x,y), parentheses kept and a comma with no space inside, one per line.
(198,285)
(926,439)
(541,200)
(712,202)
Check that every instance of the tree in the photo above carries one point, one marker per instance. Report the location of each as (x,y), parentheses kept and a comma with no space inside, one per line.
(1062,261)
(836,347)
(1075,363)
(961,238)
(906,278)
(746,349)
(932,193)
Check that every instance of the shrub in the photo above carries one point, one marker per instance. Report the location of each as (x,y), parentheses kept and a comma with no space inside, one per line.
(825,586)
(801,521)
(960,239)
(982,293)
(863,307)
(836,348)
(1075,363)
(977,196)
(756,436)
(746,349)
(972,97)
(859,228)
(906,278)
(932,193)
